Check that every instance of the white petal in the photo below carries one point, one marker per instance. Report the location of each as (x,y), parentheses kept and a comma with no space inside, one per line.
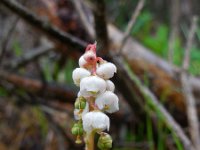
(92,86)
(82,62)
(78,115)
(78,74)
(106,70)
(110,86)
(95,120)
(108,101)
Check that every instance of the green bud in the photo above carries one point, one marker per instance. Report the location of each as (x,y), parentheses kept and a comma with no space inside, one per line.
(104,142)
(80,103)
(77,129)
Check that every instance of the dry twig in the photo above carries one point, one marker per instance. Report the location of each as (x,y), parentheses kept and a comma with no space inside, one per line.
(175,13)
(83,17)
(131,23)
(47,28)
(190,101)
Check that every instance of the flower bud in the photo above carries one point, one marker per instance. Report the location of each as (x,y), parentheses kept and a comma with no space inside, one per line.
(91,86)
(104,142)
(110,86)
(95,121)
(79,113)
(80,103)
(107,101)
(78,74)
(106,70)
(77,129)
(90,57)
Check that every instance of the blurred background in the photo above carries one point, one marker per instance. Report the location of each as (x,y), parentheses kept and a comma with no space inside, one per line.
(41,42)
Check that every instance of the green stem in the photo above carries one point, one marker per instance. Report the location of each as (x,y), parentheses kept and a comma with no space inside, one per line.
(89,140)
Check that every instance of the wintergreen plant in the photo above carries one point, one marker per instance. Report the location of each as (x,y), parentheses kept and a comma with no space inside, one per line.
(94,99)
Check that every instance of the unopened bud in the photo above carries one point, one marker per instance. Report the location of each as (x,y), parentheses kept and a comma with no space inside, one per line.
(77,129)
(80,103)
(104,142)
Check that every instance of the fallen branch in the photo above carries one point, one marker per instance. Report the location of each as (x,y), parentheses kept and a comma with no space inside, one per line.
(65,93)
(154,105)
(190,101)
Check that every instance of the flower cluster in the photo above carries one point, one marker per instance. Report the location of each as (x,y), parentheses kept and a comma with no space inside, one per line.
(95,97)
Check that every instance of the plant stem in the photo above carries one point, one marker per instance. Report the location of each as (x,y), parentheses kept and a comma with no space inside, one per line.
(89,140)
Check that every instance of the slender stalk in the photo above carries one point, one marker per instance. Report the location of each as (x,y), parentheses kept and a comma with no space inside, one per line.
(89,141)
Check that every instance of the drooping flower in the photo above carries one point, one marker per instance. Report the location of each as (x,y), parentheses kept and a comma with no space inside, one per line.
(107,101)
(110,86)
(95,121)
(106,70)
(78,74)
(92,86)
(78,113)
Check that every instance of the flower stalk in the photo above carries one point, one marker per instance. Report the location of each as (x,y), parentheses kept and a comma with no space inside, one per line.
(95,98)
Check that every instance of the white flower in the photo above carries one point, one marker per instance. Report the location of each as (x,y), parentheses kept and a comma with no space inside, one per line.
(78,74)
(107,101)
(82,62)
(92,86)
(110,86)
(78,114)
(95,120)
(106,70)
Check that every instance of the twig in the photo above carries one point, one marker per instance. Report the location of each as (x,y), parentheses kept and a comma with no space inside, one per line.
(101,26)
(7,38)
(46,27)
(175,13)
(83,17)
(154,103)
(187,91)
(131,23)
(30,56)
(62,93)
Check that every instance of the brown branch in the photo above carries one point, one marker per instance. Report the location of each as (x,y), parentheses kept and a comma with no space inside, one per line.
(66,94)
(46,27)
(131,23)
(101,26)
(190,101)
